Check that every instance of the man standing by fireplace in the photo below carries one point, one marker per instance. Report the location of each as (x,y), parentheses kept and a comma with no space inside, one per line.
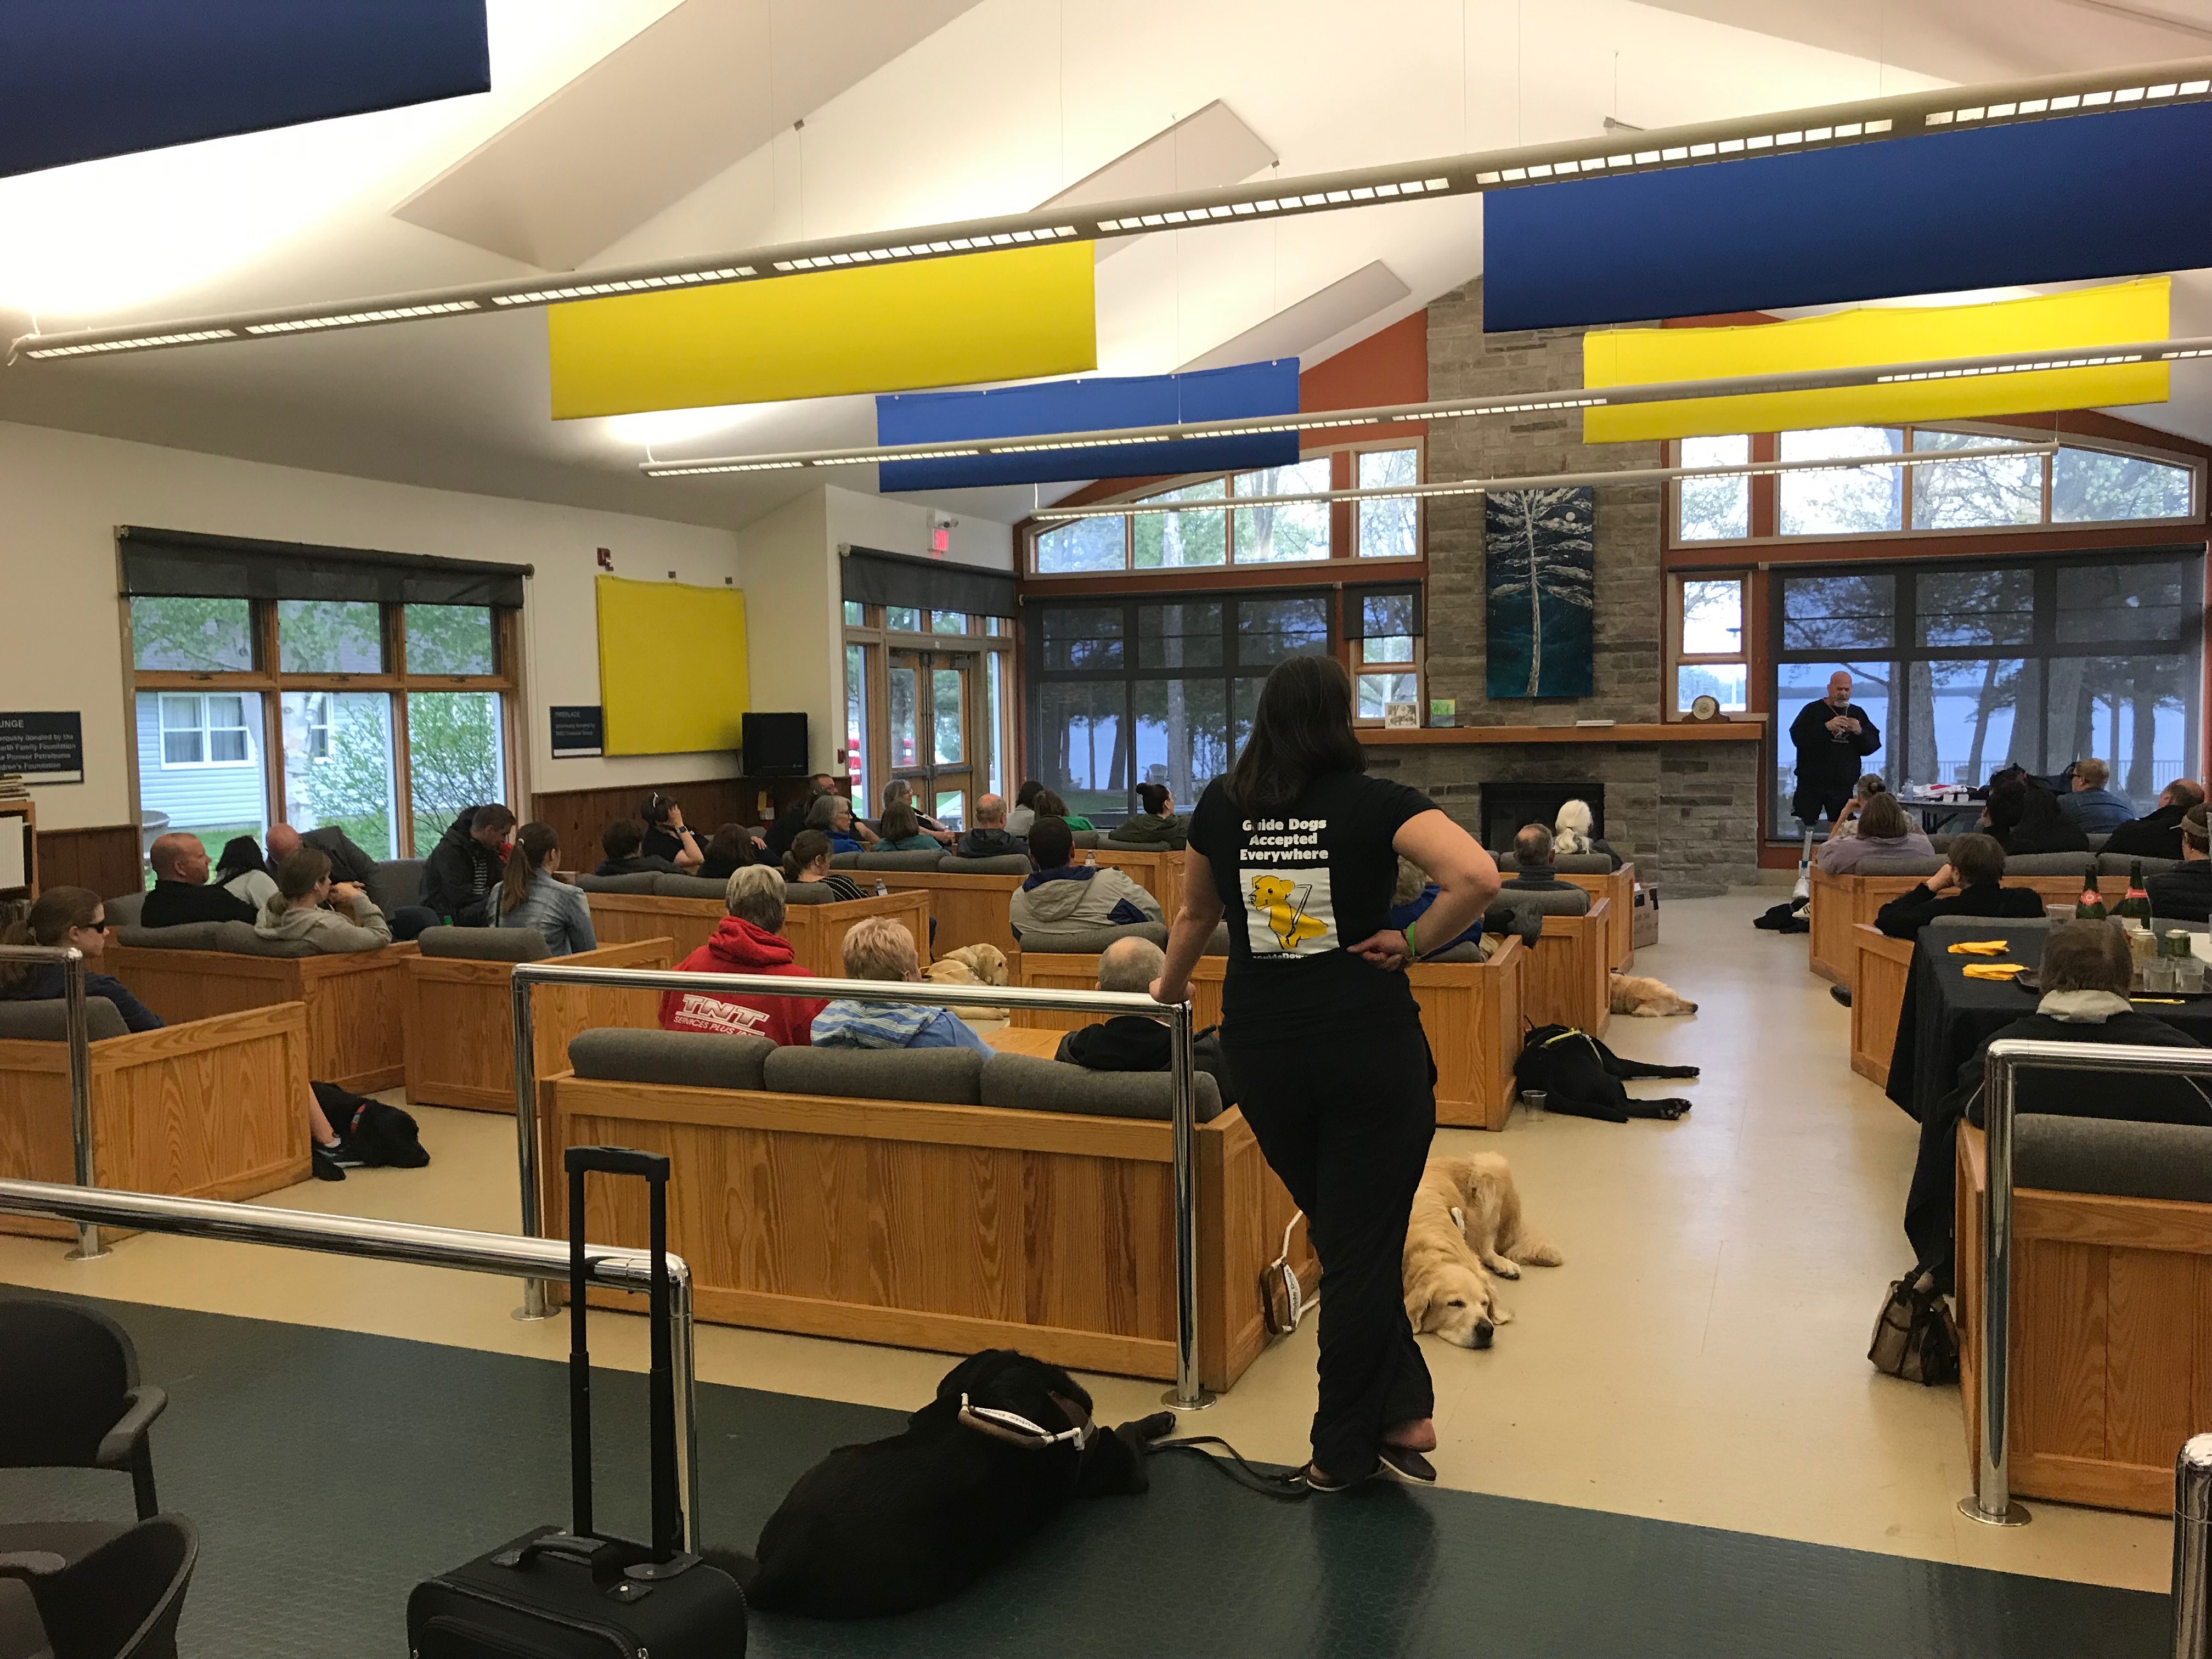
(1833,737)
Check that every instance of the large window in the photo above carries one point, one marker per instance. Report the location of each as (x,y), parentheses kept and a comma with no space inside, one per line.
(1124,692)
(928,700)
(383,719)
(1969,666)
(1711,655)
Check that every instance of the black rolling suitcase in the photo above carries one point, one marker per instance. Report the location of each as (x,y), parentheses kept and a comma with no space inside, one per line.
(581,1594)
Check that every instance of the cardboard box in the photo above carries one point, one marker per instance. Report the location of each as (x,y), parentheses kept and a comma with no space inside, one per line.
(1647,915)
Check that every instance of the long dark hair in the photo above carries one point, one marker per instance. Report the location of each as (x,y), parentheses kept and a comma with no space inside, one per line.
(532,844)
(240,854)
(733,844)
(48,921)
(1301,730)
(898,820)
(806,846)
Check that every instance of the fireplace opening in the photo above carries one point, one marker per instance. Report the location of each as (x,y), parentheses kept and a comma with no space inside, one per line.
(1508,805)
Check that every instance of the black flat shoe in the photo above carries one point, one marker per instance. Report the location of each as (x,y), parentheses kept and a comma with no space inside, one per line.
(1407,1464)
(1841,994)
(1313,1480)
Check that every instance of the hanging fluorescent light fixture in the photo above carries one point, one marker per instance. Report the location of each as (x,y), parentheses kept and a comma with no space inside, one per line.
(1868,120)
(1452,408)
(1636,475)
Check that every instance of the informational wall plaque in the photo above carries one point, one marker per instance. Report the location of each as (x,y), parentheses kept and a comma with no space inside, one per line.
(579,729)
(45,747)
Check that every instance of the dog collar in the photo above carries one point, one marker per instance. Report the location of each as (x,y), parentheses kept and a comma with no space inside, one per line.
(1019,1431)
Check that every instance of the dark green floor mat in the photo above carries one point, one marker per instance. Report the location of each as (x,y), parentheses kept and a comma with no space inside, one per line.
(328,1472)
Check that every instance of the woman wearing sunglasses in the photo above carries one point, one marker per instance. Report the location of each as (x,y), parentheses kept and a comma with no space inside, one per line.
(67,916)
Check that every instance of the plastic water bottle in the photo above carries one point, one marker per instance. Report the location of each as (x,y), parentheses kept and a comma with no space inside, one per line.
(882,891)
(1090,860)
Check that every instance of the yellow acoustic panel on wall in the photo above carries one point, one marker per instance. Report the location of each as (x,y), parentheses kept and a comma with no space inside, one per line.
(673,676)
(2113,315)
(1009,315)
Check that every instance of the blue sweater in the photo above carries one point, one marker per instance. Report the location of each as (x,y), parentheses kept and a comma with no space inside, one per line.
(2098,811)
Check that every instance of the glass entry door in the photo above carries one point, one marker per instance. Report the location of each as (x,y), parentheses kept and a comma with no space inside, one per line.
(932,730)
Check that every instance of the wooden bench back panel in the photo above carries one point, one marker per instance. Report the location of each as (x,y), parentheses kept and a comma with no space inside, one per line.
(633,918)
(1619,886)
(1565,981)
(213,1109)
(816,932)
(355,1026)
(944,1227)
(460,1024)
(2111,1338)
(969,909)
(1877,998)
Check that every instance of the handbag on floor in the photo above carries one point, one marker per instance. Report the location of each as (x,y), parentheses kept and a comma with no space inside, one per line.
(583,1593)
(1914,1337)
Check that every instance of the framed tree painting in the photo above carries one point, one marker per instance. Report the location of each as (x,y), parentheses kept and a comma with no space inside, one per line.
(1537,547)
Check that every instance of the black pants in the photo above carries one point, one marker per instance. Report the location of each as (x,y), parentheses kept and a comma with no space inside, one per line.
(1808,805)
(1346,1122)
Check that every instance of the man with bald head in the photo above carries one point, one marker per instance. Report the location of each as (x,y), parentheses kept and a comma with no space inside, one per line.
(1132,1043)
(348,861)
(1833,736)
(989,838)
(181,893)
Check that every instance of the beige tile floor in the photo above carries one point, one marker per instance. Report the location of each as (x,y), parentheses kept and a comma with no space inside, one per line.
(1698,1358)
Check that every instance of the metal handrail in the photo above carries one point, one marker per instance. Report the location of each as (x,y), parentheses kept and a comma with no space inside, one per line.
(537,1259)
(1991,1500)
(2192,1549)
(75,1020)
(1187,1394)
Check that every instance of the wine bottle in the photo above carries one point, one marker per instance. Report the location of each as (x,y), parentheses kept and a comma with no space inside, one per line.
(2137,902)
(2092,906)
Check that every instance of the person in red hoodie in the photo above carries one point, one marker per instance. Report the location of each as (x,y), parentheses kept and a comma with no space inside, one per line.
(750,941)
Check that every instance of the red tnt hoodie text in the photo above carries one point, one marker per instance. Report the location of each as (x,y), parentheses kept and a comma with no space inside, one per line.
(738,947)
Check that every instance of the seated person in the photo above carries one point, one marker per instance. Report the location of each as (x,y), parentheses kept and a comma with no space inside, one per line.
(297,910)
(2022,817)
(900,832)
(748,940)
(897,791)
(466,864)
(2157,834)
(1571,834)
(240,872)
(1966,886)
(71,916)
(68,916)
(1064,894)
(1847,821)
(1532,852)
(1882,830)
(1049,805)
(665,837)
(990,838)
(2185,895)
(531,895)
(1410,901)
(620,841)
(181,893)
(1131,1043)
(832,814)
(877,947)
(1157,823)
(792,819)
(2085,973)
(2092,805)
(1024,812)
(730,851)
(808,859)
(348,863)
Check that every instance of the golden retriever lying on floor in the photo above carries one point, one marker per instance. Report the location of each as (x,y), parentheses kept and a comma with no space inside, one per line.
(971,964)
(1632,994)
(1467,1225)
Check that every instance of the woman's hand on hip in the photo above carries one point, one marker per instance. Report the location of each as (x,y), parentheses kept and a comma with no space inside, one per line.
(1385,950)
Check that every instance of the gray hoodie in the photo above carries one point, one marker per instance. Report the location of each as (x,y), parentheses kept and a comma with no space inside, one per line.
(1080,895)
(327,930)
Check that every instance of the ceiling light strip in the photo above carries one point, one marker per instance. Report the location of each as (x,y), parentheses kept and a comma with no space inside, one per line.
(2188,348)
(1640,474)
(1872,121)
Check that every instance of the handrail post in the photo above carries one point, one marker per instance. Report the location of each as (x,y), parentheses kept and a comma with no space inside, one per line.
(1187,1394)
(684,1363)
(525,1134)
(2192,1549)
(1991,1500)
(78,1018)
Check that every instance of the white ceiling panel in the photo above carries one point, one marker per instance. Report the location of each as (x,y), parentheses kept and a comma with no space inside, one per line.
(1209,149)
(1321,315)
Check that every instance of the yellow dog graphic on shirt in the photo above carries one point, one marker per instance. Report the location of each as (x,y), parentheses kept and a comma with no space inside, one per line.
(1282,905)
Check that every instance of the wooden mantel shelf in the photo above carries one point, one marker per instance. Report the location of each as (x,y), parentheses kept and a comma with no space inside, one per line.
(1747,729)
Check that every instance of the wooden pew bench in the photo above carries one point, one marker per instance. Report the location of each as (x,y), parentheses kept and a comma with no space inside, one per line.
(684,909)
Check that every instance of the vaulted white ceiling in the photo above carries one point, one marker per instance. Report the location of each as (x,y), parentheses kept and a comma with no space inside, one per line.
(634,129)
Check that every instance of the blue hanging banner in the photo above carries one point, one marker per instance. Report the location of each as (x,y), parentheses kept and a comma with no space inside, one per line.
(83,79)
(2104,195)
(1094,404)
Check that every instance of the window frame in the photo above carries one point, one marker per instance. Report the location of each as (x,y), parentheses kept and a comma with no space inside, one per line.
(1677,659)
(980,638)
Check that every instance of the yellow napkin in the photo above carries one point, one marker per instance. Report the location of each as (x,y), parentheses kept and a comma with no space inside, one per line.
(1993,970)
(1981,947)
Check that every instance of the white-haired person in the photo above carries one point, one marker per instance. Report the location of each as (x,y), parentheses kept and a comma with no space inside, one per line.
(1572,837)
(878,948)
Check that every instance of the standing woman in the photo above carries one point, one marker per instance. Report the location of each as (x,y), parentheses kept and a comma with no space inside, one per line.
(531,895)
(1300,848)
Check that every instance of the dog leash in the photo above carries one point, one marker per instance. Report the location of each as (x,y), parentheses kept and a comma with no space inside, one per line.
(1288,1485)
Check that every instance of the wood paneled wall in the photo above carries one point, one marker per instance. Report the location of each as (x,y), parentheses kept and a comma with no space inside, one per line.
(105,858)
(578,816)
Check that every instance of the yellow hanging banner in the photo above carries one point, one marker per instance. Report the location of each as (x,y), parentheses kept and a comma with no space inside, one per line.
(672,671)
(1005,315)
(2117,314)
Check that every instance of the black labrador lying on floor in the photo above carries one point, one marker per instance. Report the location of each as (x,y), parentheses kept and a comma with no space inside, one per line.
(1581,1076)
(898,1524)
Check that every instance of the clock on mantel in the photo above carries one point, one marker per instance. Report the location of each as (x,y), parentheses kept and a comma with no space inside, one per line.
(1706,710)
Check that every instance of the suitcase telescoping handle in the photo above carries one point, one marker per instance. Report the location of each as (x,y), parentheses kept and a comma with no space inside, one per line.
(667,1512)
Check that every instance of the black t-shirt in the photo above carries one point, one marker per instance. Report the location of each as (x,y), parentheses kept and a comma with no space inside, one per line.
(660,843)
(174,903)
(1299,886)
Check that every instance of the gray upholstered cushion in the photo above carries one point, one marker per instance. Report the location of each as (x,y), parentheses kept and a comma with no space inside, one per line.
(1567,864)
(844,860)
(1571,902)
(2048,864)
(952,1076)
(1083,837)
(1011,864)
(124,912)
(2108,864)
(690,1059)
(1024,1083)
(188,936)
(484,944)
(395,882)
(689,887)
(2097,841)
(2124,1160)
(1089,941)
(1469,951)
(807,892)
(47,1020)
(914,860)
(1108,841)
(1895,864)
(640,883)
